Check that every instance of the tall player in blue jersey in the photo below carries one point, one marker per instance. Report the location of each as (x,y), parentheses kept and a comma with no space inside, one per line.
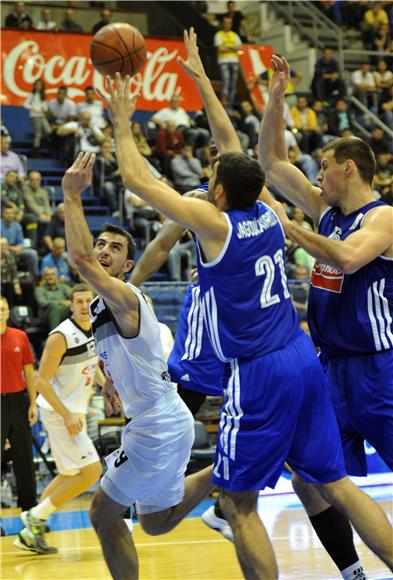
(276,378)
(351,296)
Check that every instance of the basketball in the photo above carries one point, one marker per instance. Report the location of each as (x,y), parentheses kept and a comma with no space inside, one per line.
(118,48)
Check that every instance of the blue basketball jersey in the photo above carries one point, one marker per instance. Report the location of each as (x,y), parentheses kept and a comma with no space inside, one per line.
(246,301)
(192,362)
(351,313)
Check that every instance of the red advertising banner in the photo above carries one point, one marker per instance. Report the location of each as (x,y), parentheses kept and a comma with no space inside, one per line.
(255,60)
(63,59)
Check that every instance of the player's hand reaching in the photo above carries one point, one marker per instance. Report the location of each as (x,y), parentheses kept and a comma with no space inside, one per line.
(111,398)
(280,78)
(79,175)
(193,65)
(73,423)
(121,104)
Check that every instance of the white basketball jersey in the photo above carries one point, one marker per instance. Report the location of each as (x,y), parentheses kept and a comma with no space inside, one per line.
(74,378)
(137,365)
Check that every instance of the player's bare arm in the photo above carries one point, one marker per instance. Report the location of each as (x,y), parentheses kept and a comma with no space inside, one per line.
(157,251)
(54,351)
(203,218)
(273,158)
(224,134)
(374,239)
(122,301)
(32,413)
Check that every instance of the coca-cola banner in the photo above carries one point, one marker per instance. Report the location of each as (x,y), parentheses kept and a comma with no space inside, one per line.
(63,59)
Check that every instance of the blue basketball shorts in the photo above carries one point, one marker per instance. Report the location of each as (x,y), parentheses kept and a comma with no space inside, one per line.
(361,389)
(277,408)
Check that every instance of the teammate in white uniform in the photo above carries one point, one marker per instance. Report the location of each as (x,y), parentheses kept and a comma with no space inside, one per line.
(65,379)
(149,467)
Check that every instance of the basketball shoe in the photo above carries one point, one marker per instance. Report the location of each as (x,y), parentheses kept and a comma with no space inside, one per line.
(218,524)
(32,536)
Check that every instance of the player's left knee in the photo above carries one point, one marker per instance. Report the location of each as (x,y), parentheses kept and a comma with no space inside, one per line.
(234,505)
(336,491)
(153,526)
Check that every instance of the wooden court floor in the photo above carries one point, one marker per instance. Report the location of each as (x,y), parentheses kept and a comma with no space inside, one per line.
(191,551)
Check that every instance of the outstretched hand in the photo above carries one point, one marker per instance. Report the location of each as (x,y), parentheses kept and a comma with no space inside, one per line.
(121,103)
(79,175)
(193,65)
(280,78)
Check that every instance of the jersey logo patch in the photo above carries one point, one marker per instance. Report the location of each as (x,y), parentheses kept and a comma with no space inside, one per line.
(185,378)
(326,277)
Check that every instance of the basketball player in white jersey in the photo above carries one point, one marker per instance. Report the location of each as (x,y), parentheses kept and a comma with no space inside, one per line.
(66,376)
(149,467)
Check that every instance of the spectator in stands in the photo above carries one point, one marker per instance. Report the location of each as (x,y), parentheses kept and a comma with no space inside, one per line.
(386,109)
(372,20)
(236,120)
(383,177)
(37,105)
(143,219)
(94,107)
(12,230)
(181,259)
(169,142)
(352,12)
(321,115)
(194,136)
(88,136)
(46,22)
(10,161)
(55,228)
(383,42)
(62,110)
(364,86)
(299,217)
(12,192)
(140,140)
(107,180)
(332,9)
(14,19)
(383,78)
(15,286)
(186,170)
(53,299)
(249,123)
(26,24)
(228,45)
(58,259)
(69,23)
(239,21)
(10,286)
(327,83)
(340,118)
(379,142)
(302,160)
(106,15)
(37,198)
(305,120)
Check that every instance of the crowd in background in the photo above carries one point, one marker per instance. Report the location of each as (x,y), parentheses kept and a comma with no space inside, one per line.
(35,269)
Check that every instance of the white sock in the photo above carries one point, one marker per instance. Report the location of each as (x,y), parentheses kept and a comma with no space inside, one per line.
(43,510)
(354,572)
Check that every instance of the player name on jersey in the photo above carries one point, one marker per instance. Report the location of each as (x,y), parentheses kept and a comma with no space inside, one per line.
(326,277)
(249,228)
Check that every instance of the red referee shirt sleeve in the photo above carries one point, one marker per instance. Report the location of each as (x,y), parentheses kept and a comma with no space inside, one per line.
(28,357)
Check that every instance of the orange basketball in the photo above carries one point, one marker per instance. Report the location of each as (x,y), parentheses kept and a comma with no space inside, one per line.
(118,48)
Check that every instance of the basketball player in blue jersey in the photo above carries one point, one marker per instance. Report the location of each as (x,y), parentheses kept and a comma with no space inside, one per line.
(276,404)
(331,525)
(155,448)
(350,306)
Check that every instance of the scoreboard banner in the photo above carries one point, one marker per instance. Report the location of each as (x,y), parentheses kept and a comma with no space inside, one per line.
(64,60)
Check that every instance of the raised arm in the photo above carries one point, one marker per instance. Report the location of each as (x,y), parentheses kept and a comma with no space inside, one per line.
(80,241)
(157,251)
(201,217)
(224,134)
(273,158)
(373,239)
